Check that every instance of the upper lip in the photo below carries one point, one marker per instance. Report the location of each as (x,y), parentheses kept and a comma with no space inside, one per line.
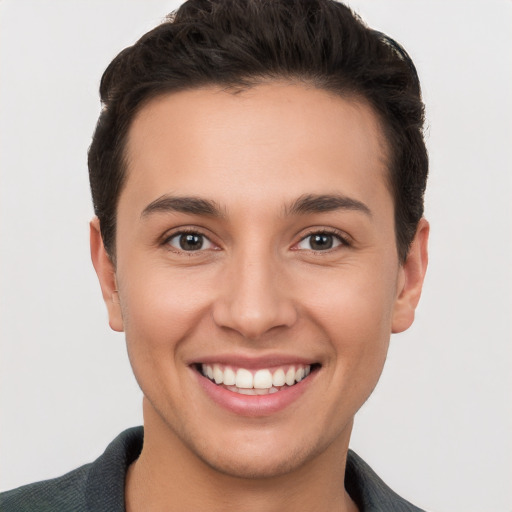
(253,362)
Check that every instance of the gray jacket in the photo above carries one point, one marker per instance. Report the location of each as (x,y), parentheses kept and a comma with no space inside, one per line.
(99,486)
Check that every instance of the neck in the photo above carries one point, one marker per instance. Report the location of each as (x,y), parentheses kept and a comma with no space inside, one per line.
(168,476)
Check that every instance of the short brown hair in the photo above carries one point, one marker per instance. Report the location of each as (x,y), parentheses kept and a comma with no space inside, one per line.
(239,43)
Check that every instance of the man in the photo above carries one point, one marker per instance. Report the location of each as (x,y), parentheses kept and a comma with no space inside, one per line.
(257,173)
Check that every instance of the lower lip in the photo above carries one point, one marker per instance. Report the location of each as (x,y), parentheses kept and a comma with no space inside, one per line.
(254,405)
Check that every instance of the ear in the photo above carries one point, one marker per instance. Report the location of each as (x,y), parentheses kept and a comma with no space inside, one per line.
(106,275)
(412,273)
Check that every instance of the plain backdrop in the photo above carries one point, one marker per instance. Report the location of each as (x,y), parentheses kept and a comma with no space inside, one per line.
(438,429)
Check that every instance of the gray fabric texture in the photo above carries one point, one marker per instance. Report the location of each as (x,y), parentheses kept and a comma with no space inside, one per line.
(99,486)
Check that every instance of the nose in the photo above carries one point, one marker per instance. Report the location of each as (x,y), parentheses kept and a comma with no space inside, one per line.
(254,297)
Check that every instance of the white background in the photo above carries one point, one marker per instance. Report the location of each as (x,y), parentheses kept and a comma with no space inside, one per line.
(438,428)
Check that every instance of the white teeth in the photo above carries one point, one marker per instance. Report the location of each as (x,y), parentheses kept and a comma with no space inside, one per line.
(208,371)
(243,391)
(262,379)
(218,374)
(229,377)
(279,379)
(290,376)
(243,379)
(262,382)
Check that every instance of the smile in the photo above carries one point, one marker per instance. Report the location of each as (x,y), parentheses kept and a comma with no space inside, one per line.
(263,381)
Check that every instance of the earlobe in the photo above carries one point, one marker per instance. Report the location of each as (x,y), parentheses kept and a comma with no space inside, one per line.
(106,275)
(412,276)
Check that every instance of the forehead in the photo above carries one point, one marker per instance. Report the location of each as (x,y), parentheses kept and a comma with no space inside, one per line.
(278,137)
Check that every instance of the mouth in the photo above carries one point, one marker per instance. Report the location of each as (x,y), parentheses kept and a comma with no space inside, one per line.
(257,382)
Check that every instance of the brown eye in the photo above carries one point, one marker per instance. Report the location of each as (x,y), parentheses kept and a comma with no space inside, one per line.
(320,242)
(189,242)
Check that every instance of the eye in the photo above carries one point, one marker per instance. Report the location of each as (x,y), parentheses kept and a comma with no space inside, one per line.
(321,242)
(190,242)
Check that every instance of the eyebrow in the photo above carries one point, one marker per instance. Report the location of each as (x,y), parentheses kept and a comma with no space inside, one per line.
(183,204)
(308,203)
(319,203)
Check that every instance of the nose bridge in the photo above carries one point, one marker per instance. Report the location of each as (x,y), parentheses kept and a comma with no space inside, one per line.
(253,299)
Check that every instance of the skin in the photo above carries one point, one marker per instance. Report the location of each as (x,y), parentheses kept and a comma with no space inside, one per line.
(256,288)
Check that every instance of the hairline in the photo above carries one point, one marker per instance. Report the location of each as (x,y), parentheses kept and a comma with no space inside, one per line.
(246,83)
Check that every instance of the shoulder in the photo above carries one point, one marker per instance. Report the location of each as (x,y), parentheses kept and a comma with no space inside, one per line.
(369,491)
(95,486)
(63,493)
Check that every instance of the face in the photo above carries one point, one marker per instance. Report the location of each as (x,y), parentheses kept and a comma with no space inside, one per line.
(257,277)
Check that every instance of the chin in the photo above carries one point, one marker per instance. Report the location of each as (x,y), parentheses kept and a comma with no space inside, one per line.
(241,464)
(266,454)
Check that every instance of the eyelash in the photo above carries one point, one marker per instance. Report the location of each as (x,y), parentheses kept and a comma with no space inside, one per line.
(180,233)
(339,236)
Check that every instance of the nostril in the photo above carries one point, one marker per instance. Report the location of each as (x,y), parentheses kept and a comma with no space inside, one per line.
(255,311)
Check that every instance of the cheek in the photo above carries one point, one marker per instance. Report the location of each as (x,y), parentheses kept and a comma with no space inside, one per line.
(162,306)
(161,310)
(355,304)
(354,310)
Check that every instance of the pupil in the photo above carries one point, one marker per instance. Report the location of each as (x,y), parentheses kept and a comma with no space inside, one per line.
(321,242)
(191,242)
